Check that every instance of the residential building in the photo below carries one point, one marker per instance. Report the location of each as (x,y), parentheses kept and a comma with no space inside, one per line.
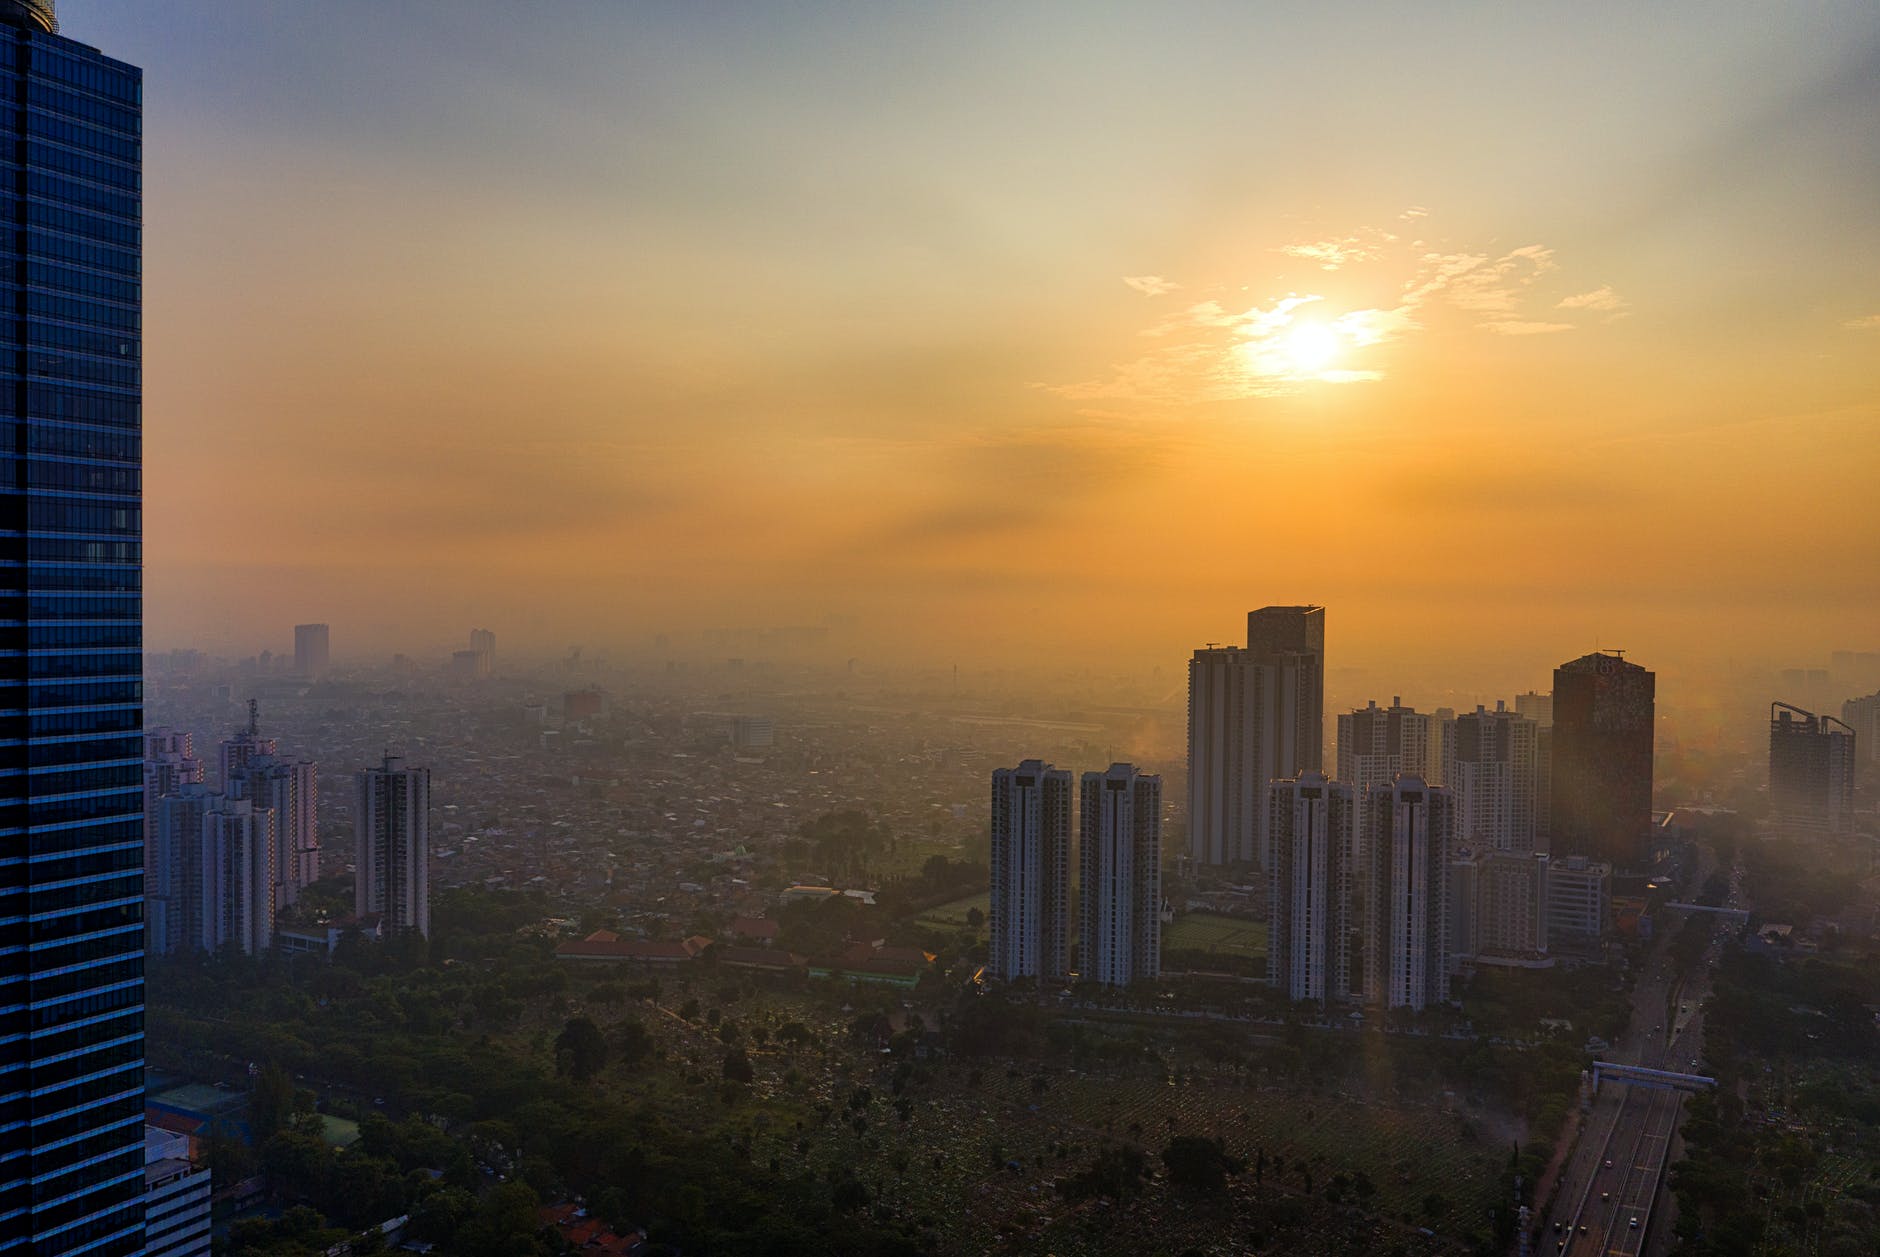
(312,650)
(253,769)
(1376,743)
(1579,899)
(169,763)
(1031,872)
(1309,921)
(1255,715)
(1602,760)
(1493,775)
(1811,770)
(71,808)
(1537,707)
(1862,715)
(392,842)
(753,733)
(1120,853)
(1408,829)
(173,892)
(1510,917)
(176,1197)
(237,879)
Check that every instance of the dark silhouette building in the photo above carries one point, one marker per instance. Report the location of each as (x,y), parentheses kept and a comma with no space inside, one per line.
(1811,770)
(1601,797)
(71,643)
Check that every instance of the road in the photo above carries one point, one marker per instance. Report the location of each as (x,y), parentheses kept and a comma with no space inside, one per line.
(1603,1205)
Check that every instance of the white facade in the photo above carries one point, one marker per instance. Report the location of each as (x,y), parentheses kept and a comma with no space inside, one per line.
(1120,922)
(1493,774)
(392,830)
(1244,716)
(1579,895)
(1309,888)
(176,1198)
(237,899)
(173,884)
(291,790)
(1376,743)
(1408,829)
(1031,871)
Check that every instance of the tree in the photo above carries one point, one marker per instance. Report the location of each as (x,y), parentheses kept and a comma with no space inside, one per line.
(580,1049)
(738,1066)
(271,1103)
(1197,1162)
(633,1042)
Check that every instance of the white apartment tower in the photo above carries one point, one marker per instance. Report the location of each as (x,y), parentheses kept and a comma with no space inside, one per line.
(1256,714)
(1031,872)
(253,769)
(1120,917)
(169,764)
(1309,888)
(392,828)
(1493,775)
(1376,743)
(1408,830)
(173,886)
(237,888)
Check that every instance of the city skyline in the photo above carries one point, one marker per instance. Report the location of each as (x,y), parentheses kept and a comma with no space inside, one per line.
(1226,295)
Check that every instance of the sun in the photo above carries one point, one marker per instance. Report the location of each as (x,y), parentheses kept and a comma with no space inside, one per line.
(1310,348)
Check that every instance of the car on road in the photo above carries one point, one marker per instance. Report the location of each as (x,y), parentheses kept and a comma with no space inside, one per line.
(1605,1195)
(1609,1163)
(1633,1224)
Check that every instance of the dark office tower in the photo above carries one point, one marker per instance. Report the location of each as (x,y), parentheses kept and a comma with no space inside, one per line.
(1298,631)
(1031,871)
(310,650)
(1602,781)
(1811,770)
(1308,954)
(1119,922)
(71,637)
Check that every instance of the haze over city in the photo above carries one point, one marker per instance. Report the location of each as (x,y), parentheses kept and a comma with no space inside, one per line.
(1504,337)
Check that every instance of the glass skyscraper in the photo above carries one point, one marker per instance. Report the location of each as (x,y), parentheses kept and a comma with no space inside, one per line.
(71,688)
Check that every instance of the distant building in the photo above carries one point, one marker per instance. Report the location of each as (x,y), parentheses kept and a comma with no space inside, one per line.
(1862,715)
(1536,707)
(169,763)
(176,1198)
(483,645)
(1031,872)
(753,733)
(1510,917)
(1579,898)
(253,769)
(1408,830)
(471,665)
(173,890)
(1811,770)
(1376,743)
(1255,715)
(311,650)
(392,842)
(1309,888)
(579,705)
(237,879)
(1602,760)
(1493,775)
(1120,918)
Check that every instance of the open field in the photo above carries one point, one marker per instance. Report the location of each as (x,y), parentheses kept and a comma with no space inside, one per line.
(1210,932)
(952,916)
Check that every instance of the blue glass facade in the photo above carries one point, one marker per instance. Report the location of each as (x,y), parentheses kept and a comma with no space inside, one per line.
(71,687)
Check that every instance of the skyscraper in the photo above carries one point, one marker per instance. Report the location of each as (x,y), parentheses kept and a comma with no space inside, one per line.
(169,762)
(173,896)
(236,904)
(71,1074)
(311,650)
(1031,871)
(1811,770)
(1376,743)
(1862,715)
(1255,716)
(1602,780)
(1408,829)
(1494,780)
(1309,891)
(1120,892)
(253,769)
(392,841)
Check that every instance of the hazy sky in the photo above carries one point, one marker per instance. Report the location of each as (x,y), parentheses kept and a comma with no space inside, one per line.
(1009,328)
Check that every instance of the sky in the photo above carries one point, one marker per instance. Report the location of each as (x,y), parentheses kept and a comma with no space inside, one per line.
(1064,331)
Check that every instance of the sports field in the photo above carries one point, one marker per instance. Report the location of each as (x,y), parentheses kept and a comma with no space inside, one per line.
(1210,932)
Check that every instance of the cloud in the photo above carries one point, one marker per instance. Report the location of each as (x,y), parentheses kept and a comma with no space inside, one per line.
(1866,323)
(1601,298)
(1522,327)
(1332,254)
(1150,285)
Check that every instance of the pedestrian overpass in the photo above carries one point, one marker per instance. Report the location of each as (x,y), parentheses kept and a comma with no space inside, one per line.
(1639,1076)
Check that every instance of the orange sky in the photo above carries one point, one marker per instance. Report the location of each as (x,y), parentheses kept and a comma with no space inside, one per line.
(984,327)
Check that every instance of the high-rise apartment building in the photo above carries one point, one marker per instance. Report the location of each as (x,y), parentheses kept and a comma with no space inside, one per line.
(1120,895)
(1862,715)
(1510,918)
(1602,760)
(1408,829)
(1255,715)
(169,763)
(1811,770)
(1309,897)
(173,894)
(254,769)
(1494,777)
(1031,872)
(1376,743)
(1537,707)
(312,650)
(392,842)
(71,641)
(236,898)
